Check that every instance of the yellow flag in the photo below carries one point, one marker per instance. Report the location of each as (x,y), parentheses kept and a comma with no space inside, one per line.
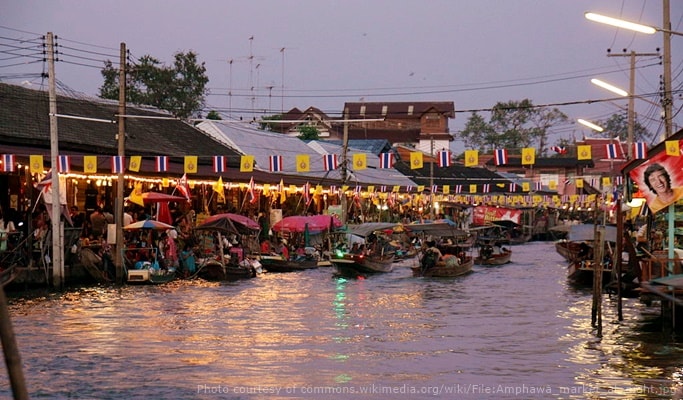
(416,160)
(552,185)
(446,189)
(396,188)
(318,189)
(473,188)
(165,182)
(583,152)
(303,163)
(672,148)
(36,163)
(191,164)
(247,163)
(526,187)
(292,188)
(136,194)
(471,158)
(360,161)
(134,164)
(371,189)
(579,183)
(420,188)
(606,181)
(283,192)
(90,164)
(528,156)
(218,188)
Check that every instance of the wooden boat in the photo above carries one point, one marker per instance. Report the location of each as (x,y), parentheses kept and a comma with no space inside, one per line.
(359,264)
(494,258)
(582,273)
(277,263)
(447,267)
(213,270)
(567,249)
(581,268)
(150,276)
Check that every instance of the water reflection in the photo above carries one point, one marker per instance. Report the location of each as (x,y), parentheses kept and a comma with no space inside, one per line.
(515,325)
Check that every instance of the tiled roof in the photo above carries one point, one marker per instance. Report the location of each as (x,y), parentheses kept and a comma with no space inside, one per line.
(24,120)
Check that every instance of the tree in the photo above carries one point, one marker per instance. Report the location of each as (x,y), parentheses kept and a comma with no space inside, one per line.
(513,125)
(307,132)
(617,126)
(180,89)
(213,114)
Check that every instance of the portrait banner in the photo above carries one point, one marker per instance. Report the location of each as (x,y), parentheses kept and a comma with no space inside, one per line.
(660,179)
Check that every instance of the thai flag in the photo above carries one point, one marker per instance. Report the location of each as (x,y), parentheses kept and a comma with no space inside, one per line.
(218,163)
(618,180)
(333,189)
(386,160)
(358,189)
(409,189)
(513,187)
(444,158)
(501,156)
(558,149)
(640,150)
(64,164)
(117,164)
(307,193)
(8,162)
(275,163)
(162,163)
(435,188)
(487,187)
(539,186)
(383,188)
(330,162)
(45,184)
(458,189)
(611,149)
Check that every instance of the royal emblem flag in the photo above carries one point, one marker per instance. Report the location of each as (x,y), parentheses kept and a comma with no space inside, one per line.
(162,163)
(528,156)
(90,164)
(640,150)
(446,189)
(611,150)
(500,156)
(360,161)
(444,158)
(302,163)
(473,188)
(583,152)
(134,163)
(247,163)
(672,148)
(36,163)
(330,162)
(117,163)
(8,162)
(218,163)
(275,163)
(64,164)
(579,183)
(471,158)
(191,164)
(526,187)
(416,160)
(386,160)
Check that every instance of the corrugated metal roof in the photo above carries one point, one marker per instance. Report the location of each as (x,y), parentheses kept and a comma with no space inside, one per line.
(262,144)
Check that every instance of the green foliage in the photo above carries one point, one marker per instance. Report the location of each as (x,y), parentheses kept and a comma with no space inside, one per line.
(307,132)
(180,89)
(213,114)
(513,125)
(617,126)
(273,127)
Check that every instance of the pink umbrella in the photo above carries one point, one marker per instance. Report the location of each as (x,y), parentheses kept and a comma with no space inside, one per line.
(314,223)
(229,222)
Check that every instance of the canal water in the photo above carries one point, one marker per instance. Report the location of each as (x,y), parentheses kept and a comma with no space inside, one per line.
(514,331)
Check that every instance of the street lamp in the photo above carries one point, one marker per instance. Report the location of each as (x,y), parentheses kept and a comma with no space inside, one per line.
(590,125)
(611,88)
(667,102)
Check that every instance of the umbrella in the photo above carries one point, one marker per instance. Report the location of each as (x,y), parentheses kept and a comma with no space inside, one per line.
(314,223)
(229,222)
(148,224)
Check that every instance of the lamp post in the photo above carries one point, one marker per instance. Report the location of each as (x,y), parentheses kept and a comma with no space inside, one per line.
(667,101)
(590,125)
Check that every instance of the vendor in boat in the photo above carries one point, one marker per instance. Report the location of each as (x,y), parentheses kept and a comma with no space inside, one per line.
(431,247)
(265,246)
(585,252)
(282,248)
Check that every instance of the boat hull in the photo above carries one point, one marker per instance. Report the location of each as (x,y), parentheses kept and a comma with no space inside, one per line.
(362,265)
(279,264)
(445,270)
(214,271)
(495,259)
(147,277)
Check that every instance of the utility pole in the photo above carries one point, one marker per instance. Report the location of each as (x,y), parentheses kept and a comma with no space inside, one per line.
(631,97)
(57,247)
(121,137)
(344,164)
(667,100)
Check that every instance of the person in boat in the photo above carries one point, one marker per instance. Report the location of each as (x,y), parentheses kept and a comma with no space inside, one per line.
(354,248)
(585,252)
(497,248)
(188,259)
(265,246)
(431,247)
(282,249)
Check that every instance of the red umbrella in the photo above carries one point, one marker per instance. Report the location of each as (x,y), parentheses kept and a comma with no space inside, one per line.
(314,223)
